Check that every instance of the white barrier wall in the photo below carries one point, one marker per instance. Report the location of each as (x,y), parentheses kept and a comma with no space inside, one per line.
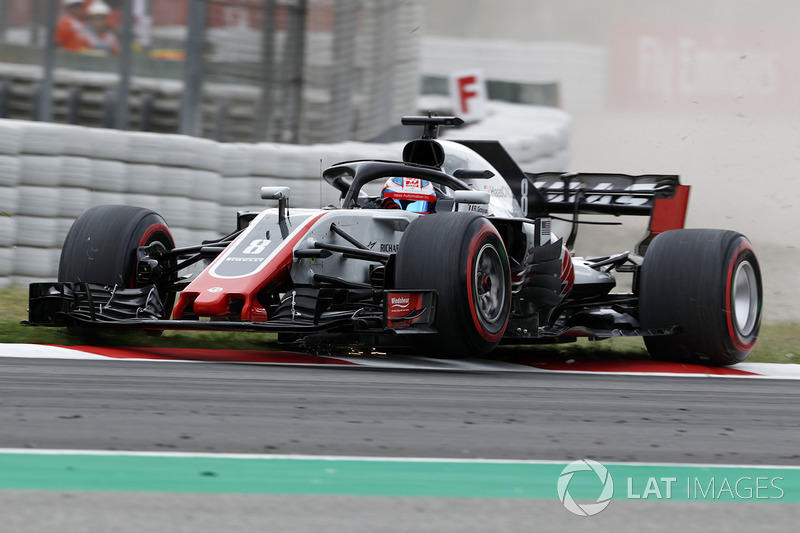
(579,69)
(50,173)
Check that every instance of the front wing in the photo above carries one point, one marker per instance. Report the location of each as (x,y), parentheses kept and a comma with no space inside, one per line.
(300,311)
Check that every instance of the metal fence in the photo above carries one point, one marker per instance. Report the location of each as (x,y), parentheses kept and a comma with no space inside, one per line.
(317,70)
(299,71)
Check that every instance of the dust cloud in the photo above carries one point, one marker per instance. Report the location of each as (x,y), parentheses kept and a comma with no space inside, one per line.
(706,89)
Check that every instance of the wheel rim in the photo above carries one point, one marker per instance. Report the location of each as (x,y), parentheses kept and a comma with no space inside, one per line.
(489,286)
(745,298)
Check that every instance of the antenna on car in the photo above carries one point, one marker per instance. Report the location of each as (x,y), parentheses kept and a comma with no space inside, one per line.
(431,124)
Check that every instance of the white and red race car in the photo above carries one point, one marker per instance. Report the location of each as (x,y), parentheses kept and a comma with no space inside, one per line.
(454,256)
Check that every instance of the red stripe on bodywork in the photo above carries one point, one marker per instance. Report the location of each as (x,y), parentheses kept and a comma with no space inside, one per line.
(215,303)
(567,272)
(221,356)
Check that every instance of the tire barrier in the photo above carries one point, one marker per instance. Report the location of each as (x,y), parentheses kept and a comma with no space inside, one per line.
(73,201)
(76,172)
(6,265)
(51,173)
(35,263)
(37,202)
(108,175)
(143,178)
(43,171)
(10,137)
(8,231)
(9,201)
(42,232)
(10,171)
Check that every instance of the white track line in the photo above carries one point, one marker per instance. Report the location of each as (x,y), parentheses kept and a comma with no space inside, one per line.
(364,458)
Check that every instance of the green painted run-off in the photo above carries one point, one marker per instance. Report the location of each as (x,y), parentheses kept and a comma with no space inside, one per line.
(375,477)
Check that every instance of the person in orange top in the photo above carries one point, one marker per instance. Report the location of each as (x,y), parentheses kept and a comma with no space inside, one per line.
(71,32)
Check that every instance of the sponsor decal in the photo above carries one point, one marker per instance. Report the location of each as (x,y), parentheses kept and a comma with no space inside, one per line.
(404,308)
(412,183)
(557,194)
(416,196)
(399,303)
(498,192)
(389,248)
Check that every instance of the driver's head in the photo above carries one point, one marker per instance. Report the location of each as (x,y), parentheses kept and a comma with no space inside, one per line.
(412,194)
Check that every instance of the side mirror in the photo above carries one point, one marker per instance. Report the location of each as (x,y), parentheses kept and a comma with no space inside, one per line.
(275,193)
(282,195)
(471,197)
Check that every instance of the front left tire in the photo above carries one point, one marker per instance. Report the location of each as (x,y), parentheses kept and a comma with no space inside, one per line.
(100,247)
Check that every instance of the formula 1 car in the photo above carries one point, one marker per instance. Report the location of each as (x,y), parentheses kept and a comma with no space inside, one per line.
(455,255)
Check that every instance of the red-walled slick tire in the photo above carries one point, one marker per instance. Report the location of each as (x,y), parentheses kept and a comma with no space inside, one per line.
(707,284)
(462,256)
(101,246)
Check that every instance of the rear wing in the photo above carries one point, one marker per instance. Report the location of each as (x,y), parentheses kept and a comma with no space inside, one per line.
(661,197)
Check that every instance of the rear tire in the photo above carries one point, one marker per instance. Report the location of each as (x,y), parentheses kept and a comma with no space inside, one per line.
(707,283)
(101,246)
(462,257)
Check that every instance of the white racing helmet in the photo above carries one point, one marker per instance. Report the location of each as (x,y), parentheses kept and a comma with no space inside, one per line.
(411,194)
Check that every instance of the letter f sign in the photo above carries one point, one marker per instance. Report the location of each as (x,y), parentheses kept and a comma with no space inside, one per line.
(468,94)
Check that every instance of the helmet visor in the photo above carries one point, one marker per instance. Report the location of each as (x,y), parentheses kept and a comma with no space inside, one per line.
(418,206)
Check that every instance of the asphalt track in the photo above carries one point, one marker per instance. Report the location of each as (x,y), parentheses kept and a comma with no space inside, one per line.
(356,411)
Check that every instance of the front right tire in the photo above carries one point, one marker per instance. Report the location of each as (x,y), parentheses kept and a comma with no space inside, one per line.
(462,257)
